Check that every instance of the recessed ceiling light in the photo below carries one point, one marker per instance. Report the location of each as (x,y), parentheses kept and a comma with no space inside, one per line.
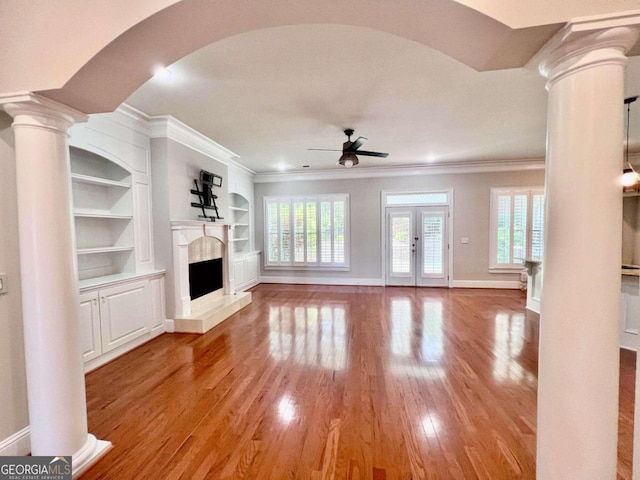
(282,166)
(161,73)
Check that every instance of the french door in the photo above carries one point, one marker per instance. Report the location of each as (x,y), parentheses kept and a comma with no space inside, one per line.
(417,246)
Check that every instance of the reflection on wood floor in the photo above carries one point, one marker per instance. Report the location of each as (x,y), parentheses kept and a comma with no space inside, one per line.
(315,382)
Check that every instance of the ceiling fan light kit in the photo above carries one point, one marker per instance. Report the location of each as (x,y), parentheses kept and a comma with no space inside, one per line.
(349,150)
(348,160)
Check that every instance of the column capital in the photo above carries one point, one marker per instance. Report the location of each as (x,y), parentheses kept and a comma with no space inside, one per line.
(586,42)
(36,111)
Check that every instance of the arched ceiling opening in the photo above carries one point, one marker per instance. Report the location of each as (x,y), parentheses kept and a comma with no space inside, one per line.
(270,95)
(93,80)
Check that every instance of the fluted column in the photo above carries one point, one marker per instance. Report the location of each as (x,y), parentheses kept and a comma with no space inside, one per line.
(580,309)
(55,377)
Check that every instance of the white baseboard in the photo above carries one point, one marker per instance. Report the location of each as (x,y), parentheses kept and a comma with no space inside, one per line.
(509,284)
(370,282)
(18,444)
(169,325)
(121,350)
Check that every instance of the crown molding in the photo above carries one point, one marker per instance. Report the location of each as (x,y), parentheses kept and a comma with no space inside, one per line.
(404,171)
(131,117)
(167,126)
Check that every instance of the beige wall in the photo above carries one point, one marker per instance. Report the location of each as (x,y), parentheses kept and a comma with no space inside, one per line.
(470,218)
(13,390)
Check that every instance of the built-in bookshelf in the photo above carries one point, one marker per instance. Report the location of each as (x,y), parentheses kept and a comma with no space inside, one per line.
(239,208)
(103,215)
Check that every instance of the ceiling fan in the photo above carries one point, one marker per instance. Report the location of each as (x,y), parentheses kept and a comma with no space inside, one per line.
(349,150)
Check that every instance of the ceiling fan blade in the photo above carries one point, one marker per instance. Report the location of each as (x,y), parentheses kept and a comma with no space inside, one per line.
(356,144)
(373,154)
(324,150)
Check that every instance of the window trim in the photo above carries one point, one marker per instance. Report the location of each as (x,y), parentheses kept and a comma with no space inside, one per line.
(292,265)
(494,266)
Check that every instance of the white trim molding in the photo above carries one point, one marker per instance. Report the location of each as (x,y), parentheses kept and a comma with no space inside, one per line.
(166,126)
(379,282)
(403,171)
(18,444)
(369,282)
(505,284)
(169,325)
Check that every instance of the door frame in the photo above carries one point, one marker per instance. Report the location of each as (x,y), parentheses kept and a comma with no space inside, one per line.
(383,225)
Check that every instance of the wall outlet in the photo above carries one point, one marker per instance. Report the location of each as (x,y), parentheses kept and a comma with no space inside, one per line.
(4,286)
(464,240)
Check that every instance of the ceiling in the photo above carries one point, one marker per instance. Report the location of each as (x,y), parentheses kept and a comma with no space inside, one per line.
(269,95)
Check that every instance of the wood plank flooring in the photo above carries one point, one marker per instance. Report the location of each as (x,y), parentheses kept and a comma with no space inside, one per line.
(316,382)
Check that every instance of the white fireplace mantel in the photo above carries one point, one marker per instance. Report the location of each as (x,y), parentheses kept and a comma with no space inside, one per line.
(183,233)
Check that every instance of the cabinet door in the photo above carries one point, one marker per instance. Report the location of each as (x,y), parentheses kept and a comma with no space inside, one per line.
(90,326)
(253,268)
(240,277)
(156,286)
(124,313)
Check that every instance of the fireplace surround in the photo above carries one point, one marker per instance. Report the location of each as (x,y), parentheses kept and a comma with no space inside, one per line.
(191,245)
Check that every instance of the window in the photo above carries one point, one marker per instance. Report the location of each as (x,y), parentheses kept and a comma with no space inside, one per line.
(307,232)
(517,222)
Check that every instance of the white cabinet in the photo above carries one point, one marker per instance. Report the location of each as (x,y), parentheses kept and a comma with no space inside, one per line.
(246,269)
(90,326)
(116,318)
(630,310)
(158,315)
(253,267)
(124,313)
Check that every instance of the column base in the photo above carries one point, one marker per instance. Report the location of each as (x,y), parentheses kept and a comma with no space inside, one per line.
(92,451)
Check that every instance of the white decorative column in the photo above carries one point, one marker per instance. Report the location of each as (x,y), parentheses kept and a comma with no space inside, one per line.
(580,310)
(55,377)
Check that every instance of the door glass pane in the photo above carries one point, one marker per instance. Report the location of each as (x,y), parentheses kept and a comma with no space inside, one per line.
(400,244)
(433,244)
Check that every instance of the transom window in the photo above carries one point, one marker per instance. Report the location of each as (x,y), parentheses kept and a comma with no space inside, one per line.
(517,226)
(307,231)
(418,198)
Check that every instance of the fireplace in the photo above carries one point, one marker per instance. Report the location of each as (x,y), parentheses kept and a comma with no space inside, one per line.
(205,277)
(203,285)
(205,266)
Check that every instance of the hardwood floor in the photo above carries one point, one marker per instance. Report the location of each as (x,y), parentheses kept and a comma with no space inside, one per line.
(315,382)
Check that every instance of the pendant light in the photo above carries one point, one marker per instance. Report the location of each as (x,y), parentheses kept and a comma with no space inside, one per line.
(629,175)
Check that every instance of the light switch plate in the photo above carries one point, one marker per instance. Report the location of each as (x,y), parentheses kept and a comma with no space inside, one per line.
(464,240)
(4,286)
